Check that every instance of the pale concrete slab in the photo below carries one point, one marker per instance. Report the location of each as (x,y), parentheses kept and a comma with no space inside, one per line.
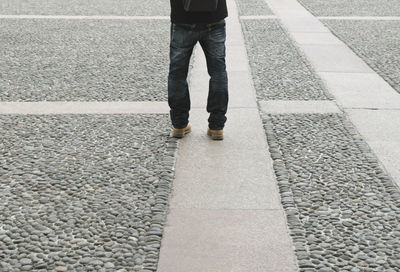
(77,107)
(361,90)
(389,154)
(377,125)
(236,58)
(381,130)
(292,107)
(235,173)
(229,240)
(303,24)
(334,58)
(315,38)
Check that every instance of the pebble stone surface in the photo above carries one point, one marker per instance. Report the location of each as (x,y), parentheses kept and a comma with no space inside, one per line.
(89,60)
(342,209)
(253,8)
(376,42)
(353,7)
(86,7)
(83,192)
(279,70)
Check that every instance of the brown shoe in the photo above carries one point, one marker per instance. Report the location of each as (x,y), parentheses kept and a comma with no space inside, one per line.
(216,134)
(180,132)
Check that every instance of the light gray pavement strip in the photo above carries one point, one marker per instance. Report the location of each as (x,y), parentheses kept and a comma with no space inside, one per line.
(225,205)
(376,42)
(353,8)
(83,192)
(381,130)
(82,107)
(85,7)
(252,7)
(361,90)
(279,69)
(301,106)
(343,209)
(100,60)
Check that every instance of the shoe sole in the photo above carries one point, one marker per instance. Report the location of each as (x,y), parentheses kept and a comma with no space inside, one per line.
(181,135)
(215,137)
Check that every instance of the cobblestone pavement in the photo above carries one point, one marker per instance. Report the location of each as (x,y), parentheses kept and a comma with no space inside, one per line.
(253,7)
(279,69)
(91,192)
(342,208)
(353,8)
(89,60)
(83,192)
(376,42)
(88,7)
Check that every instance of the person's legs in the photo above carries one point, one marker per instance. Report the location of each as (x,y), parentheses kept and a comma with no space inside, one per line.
(182,42)
(213,44)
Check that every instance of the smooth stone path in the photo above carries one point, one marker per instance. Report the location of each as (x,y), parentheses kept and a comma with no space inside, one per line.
(82,107)
(225,212)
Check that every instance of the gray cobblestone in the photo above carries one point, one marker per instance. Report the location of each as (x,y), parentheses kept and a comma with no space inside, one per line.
(342,209)
(280,71)
(86,7)
(90,192)
(95,60)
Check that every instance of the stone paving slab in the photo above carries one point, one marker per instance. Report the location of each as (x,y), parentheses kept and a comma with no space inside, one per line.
(227,179)
(92,60)
(82,107)
(342,208)
(381,130)
(83,192)
(198,240)
(334,58)
(376,42)
(353,8)
(315,38)
(279,69)
(253,7)
(361,90)
(85,7)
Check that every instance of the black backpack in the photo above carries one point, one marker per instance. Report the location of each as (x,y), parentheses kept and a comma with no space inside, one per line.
(200,5)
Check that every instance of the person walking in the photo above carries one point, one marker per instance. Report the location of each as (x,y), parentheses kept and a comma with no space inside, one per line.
(191,22)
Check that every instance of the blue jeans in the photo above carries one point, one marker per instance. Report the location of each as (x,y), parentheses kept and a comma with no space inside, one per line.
(212,40)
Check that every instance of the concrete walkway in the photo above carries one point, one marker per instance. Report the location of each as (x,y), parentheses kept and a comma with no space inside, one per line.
(225,204)
(225,212)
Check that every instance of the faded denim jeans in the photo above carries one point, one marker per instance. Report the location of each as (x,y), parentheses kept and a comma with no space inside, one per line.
(212,40)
